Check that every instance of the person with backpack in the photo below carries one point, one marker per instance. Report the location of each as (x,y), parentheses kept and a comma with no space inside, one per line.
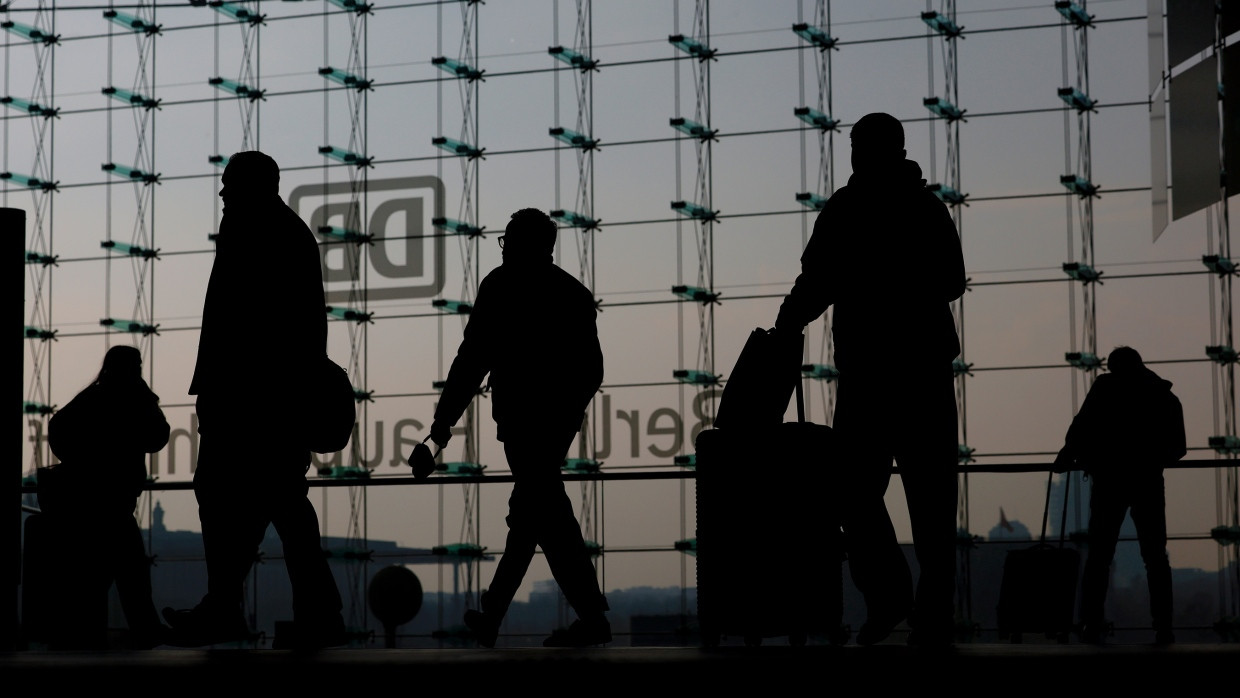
(1129,428)
(101,438)
(252,383)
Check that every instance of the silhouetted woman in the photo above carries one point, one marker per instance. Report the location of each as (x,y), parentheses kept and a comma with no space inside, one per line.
(101,438)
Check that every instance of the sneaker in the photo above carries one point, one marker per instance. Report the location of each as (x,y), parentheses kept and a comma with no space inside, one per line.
(876,629)
(1092,634)
(839,635)
(485,628)
(200,626)
(149,638)
(581,634)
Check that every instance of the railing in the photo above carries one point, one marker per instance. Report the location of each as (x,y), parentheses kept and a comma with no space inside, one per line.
(662,614)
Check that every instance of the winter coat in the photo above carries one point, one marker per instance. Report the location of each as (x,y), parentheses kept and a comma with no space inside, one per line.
(1127,423)
(102,437)
(264,319)
(885,253)
(532,329)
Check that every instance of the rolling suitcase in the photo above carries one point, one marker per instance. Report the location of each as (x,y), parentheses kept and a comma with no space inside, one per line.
(1038,589)
(769,547)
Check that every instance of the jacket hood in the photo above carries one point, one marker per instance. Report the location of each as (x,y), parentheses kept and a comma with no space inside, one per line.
(906,174)
(1142,376)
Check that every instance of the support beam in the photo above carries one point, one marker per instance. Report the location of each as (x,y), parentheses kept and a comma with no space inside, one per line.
(13,235)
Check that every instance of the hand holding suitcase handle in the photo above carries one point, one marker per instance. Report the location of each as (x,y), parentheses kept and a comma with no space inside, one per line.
(800,391)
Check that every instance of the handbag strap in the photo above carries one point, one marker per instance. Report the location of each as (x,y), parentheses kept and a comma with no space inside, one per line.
(800,401)
(1046,506)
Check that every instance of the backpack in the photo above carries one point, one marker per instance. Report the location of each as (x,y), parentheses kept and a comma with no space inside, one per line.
(331,408)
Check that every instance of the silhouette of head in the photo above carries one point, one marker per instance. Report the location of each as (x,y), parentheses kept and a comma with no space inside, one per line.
(120,363)
(530,234)
(250,178)
(1124,361)
(877,143)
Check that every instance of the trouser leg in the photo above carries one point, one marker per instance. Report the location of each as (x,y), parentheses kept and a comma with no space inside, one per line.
(133,575)
(927,461)
(316,599)
(1150,517)
(541,513)
(233,519)
(1106,515)
(519,550)
(875,561)
(562,543)
(931,493)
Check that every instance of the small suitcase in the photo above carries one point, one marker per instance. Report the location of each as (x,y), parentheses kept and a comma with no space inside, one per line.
(1038,590)
(769,546)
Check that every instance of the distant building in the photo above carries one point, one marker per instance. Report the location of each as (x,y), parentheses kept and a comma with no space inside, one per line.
(1007,530)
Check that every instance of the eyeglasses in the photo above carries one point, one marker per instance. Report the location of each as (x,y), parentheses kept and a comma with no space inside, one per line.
(500,240)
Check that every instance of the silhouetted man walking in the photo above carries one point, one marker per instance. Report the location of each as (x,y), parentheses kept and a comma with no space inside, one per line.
(895,340)
(1128,429)
(250,380)
(532,328)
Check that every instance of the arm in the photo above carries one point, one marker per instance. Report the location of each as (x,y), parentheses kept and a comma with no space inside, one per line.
(1177,445)
(467,371)
(813,292)
(592,377)
(952,260)
(154,431)
(1079,441)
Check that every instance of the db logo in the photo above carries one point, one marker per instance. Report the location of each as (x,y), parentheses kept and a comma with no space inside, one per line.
(405,256)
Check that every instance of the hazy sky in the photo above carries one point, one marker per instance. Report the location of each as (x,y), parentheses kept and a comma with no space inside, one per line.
(1018,227)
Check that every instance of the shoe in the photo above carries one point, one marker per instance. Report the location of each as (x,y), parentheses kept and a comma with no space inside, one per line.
(581,634)
(200,626)
(485,627)
(149,638)
(1092,634)
(875,630)
(1164,637)
(839,635)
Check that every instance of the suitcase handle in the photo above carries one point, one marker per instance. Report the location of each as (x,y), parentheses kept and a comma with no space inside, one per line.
(1063,520)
